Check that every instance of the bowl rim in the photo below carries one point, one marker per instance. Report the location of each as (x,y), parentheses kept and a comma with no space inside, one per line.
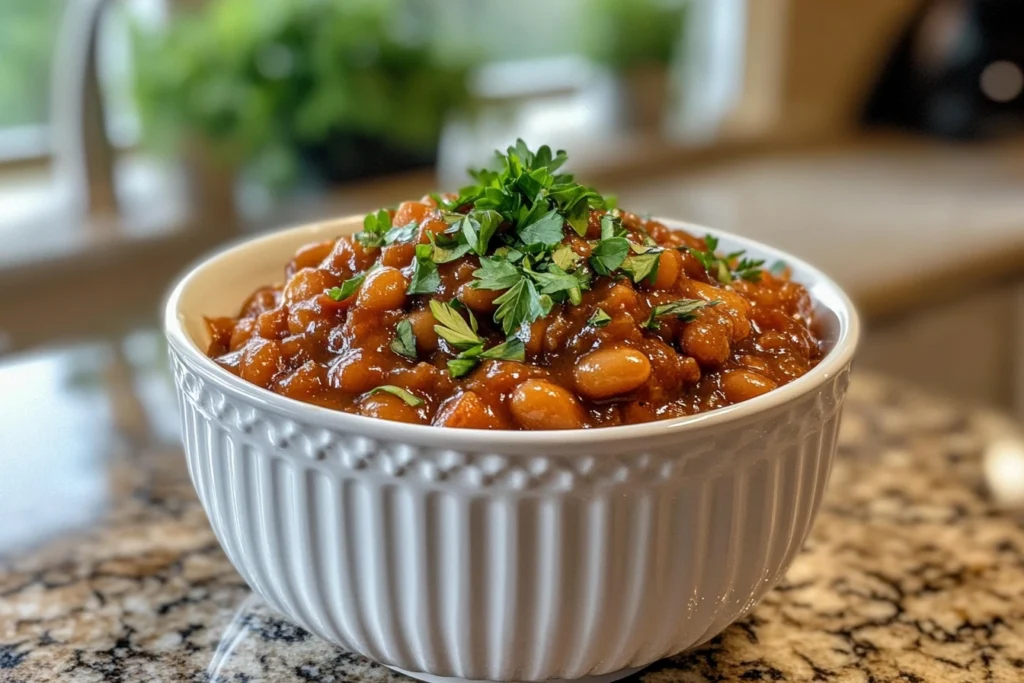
(837,360)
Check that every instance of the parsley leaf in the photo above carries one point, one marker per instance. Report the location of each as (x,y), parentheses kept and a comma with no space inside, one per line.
(375,227)
(721,268)
(478,228)
(609,254)
(543,233)
(599,318)
(642,266)
(511,349)
(684,309)
(425,278)
(520,305)
(401,235)
(778,268)
(446,250)
(460,367)
(350,286)
(452,327)
(401,393)
(556,281)
(496,273)
(565,258)
(404,343)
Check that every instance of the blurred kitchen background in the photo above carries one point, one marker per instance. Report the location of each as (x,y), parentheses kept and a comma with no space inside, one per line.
(882,140)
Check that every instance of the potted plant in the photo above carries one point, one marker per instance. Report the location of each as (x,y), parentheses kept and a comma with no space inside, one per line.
(636,39)
(328,89)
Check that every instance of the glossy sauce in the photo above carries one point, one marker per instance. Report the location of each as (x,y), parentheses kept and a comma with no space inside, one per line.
(295,340)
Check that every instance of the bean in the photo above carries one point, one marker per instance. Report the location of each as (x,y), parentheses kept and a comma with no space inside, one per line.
(356,372)
(423,329)
(478,300)
(302,315)
(535,341)
(348,258)
(308,283)
(272,324)
(221,329)
(707,340)
(466,410)
(398,255)
(669,265)
(611,372)
(732,303)
(242,332)
(420,378)
(306,382)
(261,300)
(309,256)
(389,407)
(741,385)
(539,404)
(260,361)
(384,289)
(409,212)
(432,225)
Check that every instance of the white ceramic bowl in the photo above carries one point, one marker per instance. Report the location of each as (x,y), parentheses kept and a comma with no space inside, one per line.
(502,556)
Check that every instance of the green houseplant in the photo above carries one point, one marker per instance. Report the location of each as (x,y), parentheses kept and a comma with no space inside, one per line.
(345,88)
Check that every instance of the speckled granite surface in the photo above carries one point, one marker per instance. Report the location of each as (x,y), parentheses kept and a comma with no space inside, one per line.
(910,574)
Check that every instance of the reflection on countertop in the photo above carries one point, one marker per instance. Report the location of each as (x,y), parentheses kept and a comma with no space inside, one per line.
(911,572)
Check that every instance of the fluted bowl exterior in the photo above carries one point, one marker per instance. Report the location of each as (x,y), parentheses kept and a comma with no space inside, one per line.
(507,556)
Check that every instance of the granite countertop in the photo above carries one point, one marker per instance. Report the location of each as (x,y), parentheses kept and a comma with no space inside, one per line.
(910,574)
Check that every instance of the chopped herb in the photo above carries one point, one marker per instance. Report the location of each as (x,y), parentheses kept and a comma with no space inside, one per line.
(778,268)
(543,233)
(521,305)
(446,250)
(749,269)
(460,367)
(510,349)
(404,343)
(375,227)
(608,255)
(401,393)
(425,278)
(721,268)
(565,258)
(478,228)
(452,327)
(643,266)
(684,309)
(350,286)
(401,235)
(495,273)
(599,318)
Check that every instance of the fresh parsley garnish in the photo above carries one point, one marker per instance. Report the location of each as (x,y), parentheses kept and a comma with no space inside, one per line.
(521,305)
(642,263)
(401,235)
(496,273)
(375,228)
(599,318)
(511,349)
(407,396)
(350,286)
(721,268)
(609,255)
(683,309)
(425,278)
(404,343)
(452,327)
